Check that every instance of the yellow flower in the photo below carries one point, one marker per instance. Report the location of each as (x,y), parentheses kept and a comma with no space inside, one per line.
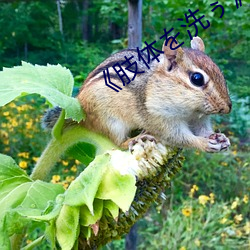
(234,152)
(235,203)
(211,195)
(35,159)
(23,164)
(187,211)
(6,149)
(197,242)
(223,220)
(70,178)
(182,248)
(4,134)
(238,218)
(6,113)
(29,124)
(23,107)
(55,178)
(65,185)
(224,164)
(65,163)
(14,123)
(12,105)
(247,227)
(73,168)
(245,199)
(203,199)
(192,190)
(6,141)
(24,154)
(77,162)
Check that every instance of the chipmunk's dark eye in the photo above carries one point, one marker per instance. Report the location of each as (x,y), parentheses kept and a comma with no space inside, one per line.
(197,79)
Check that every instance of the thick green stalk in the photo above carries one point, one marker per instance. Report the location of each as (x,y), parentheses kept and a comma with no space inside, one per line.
(57,147)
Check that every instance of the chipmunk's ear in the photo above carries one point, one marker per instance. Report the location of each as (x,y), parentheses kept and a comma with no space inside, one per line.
(197,43)
(172,54)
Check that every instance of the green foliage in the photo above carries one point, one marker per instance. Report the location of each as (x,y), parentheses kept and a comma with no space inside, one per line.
(232,166)
(198,224)
(83,152)
(19,198)
(82,57)
(52,82)
(239,119)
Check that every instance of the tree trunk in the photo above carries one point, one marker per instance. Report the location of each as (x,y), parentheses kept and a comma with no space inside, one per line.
(59,16)
(134,23)
(85,28)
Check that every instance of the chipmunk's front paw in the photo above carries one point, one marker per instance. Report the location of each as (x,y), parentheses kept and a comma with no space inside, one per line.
(218,142)
(141,139)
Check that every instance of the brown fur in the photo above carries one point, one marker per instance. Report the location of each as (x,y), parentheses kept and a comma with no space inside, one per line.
(162,101)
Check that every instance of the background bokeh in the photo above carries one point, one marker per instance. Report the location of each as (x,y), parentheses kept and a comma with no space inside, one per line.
(207,206)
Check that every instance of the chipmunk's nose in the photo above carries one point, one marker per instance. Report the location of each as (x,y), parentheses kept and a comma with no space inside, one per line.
(227,108)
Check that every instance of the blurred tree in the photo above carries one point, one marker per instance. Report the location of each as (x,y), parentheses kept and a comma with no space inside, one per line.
(58,2)
(85,20)
(134,23)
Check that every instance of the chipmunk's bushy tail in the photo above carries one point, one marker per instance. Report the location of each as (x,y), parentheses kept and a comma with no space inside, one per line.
(50,117)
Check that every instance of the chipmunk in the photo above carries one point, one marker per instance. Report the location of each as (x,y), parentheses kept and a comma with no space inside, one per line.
(172,101)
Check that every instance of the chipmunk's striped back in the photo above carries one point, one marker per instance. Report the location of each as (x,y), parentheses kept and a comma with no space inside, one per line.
(171,100)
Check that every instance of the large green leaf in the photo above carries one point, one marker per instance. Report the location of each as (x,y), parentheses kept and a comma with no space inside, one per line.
(86,218)
(6,186)
(83,152)
(48,214)
(21,197)
(14,198)
(112,208)
(10,201)
(67,226)
(118,188)
(9,168)
(83,189)
(39,194)
(53,82)
(50,234)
